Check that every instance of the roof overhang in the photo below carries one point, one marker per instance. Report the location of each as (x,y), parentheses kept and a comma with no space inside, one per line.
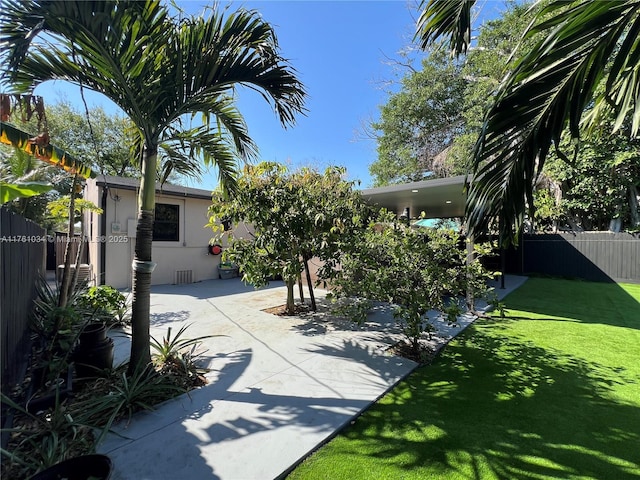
(438,198)
(128,183)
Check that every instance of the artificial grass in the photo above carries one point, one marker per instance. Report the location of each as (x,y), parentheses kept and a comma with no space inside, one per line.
(552,391)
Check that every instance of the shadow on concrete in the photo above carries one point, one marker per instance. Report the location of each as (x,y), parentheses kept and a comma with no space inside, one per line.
(160,319)
(208,289)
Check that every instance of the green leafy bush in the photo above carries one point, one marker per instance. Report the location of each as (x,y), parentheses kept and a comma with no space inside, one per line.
(415,271)
(106,303)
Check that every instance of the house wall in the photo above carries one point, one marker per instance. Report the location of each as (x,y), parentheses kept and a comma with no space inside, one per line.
(189,255)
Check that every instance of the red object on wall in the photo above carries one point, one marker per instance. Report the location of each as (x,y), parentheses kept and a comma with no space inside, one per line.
(215,249)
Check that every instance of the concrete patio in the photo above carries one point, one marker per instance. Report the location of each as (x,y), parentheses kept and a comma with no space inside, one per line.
(278,386)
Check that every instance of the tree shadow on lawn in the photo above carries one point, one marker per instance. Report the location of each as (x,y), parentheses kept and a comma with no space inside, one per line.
(587,302)
(492,407)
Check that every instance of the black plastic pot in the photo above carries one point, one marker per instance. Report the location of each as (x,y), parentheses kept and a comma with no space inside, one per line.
(93,334)
(85,467)
(48,399)
(95,351)
(90,360)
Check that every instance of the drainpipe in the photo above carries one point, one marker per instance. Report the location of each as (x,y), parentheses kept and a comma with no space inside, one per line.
(102,235)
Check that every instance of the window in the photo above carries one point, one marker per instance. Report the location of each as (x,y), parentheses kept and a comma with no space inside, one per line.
(166,225)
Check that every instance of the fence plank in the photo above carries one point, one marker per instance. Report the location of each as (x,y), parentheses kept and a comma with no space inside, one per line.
(22,253)
(596,256)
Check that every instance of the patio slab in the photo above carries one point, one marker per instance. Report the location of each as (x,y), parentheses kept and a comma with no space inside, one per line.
(278,386)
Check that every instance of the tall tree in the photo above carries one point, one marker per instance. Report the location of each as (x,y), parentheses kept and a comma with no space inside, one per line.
(160,71)
(428,128)
(419,122)
(596,190)
(576,46)
(100,142)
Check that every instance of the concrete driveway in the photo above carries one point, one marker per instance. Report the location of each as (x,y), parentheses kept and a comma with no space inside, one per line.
(278,387)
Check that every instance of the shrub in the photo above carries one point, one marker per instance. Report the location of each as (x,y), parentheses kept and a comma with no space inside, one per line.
(106,303)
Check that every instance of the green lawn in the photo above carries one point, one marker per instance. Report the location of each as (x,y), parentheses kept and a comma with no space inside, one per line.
(553,391)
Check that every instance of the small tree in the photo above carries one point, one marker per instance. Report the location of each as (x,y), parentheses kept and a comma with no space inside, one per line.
(292,216)
(416,271)
(69,208)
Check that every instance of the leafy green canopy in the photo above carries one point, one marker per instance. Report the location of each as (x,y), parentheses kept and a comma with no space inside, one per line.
(414,270)
(576,46)
(428,128)
(288,217)
(419,122)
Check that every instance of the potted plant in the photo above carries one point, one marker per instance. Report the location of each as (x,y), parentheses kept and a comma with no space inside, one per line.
(105,303)
(95,351)
(84,467)
(227,270)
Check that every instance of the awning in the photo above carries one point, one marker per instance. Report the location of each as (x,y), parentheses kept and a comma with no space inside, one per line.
(437,198)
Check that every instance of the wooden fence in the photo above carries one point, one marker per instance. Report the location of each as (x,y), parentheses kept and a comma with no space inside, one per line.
(22,256)
(595,256)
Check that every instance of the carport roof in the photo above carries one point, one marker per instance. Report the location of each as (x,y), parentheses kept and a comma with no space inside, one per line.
(438,198)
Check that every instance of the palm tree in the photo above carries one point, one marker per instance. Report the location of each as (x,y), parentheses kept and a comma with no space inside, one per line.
(162,72)
(577,47)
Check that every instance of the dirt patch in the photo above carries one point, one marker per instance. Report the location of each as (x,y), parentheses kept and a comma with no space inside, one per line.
(281,310)
(424,355)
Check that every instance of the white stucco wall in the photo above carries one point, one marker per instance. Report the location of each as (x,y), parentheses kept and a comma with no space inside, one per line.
(190,253)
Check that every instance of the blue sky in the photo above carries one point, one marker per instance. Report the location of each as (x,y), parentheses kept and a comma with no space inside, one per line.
(341,50)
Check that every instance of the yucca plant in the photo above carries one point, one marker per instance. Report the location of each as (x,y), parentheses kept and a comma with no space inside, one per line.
(176,357)
(56,329)
(120,396)
(43,439)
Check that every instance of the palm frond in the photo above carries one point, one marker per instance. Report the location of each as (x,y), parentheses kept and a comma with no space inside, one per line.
(548,91)
(211,147)
(157,69)
(210,56)
(445,18)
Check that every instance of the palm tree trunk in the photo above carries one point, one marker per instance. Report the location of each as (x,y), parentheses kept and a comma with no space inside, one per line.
(142,265)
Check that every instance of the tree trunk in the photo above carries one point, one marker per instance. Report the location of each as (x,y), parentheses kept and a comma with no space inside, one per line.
(63,294)
(80,251)
(300,289)
(470,296)
(142,265)
(310,284)
(633,206)
(290,308)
